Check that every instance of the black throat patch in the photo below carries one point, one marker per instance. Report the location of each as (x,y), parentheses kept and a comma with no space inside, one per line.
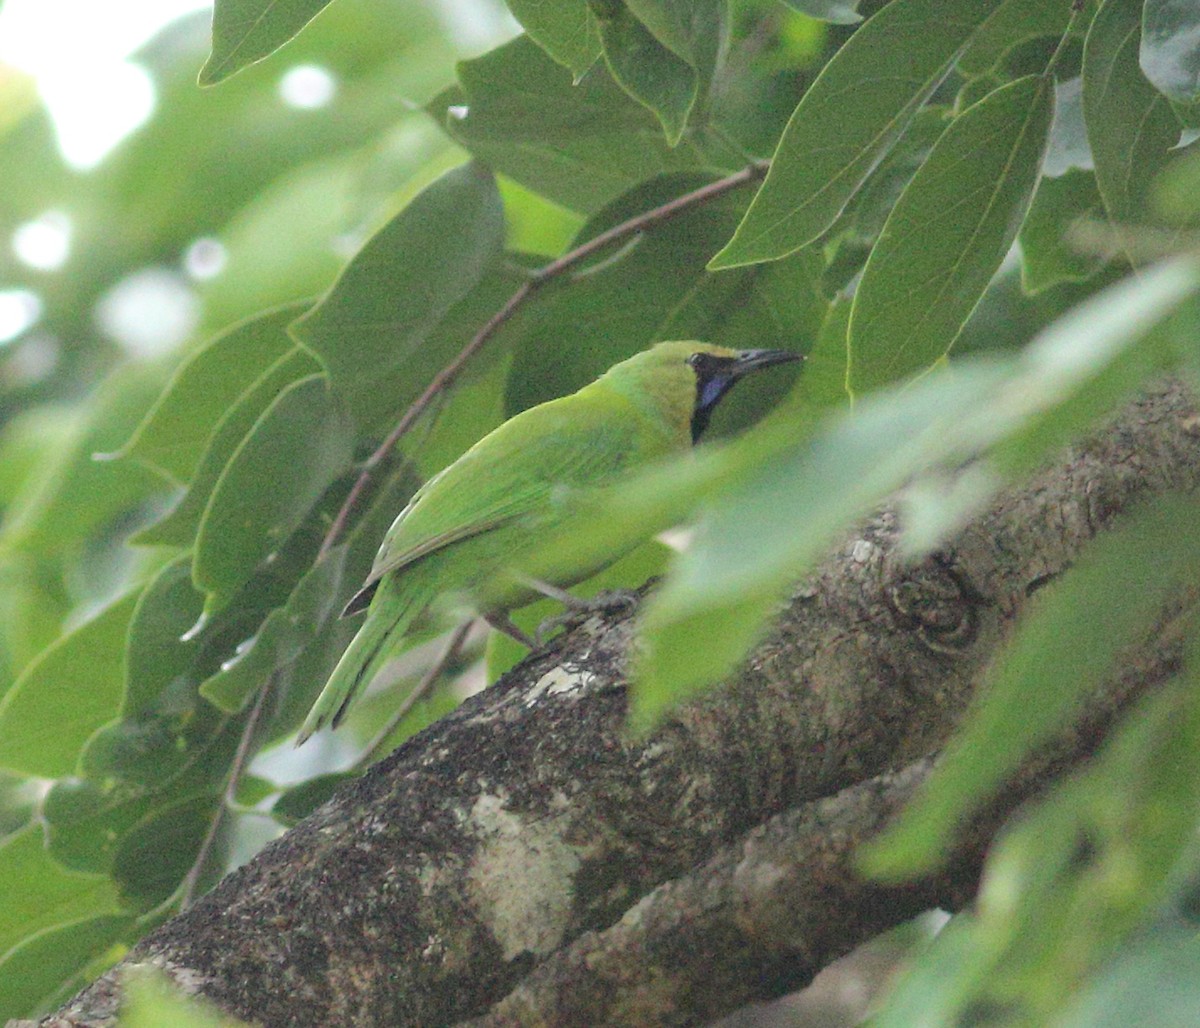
(715,376)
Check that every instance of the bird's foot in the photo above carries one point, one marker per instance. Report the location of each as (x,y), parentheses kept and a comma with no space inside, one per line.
(578,610)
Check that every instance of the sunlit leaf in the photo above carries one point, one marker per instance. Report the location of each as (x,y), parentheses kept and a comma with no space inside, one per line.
(181,523)
(245,31)
(33,973)
(39,894)
(65,695)
(173,436)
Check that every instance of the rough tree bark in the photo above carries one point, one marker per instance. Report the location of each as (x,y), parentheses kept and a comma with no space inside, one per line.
(518,831)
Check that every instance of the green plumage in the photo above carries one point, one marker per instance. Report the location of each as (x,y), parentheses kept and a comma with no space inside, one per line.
(520,482)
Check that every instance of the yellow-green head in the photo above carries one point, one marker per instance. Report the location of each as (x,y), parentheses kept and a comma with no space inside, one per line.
(683,380)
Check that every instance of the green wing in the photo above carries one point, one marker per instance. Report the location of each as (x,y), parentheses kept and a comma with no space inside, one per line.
(530,465)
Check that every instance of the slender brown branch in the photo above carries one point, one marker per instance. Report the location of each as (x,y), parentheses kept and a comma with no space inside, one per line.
(228,796)
(537,278)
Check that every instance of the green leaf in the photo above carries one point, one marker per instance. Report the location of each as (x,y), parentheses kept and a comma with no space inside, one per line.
(868,212)
(156,854)
(33,606)
(84,823)
(33,973)
(823,382)
(39,894)
(947,235)
(1130,124)
(156,652)
(1048,256)
(404,281)
(287,244)
(890,67)
(299,445)
(691,30)
(1015,22)
(179,751)
(182,522)
(655,77)
(837,12)
(65,695)
(566,30)
(73,495)
(245,31)
(309,618)
(173,435)
(579,145)
(1168,53)
(282,636)
(1065,648)
(1176,193)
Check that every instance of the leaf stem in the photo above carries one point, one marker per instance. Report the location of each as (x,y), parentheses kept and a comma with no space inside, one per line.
(241,758)
(537,278)
(1077,7)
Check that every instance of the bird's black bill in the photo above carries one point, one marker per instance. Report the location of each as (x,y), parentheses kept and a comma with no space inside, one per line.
(752,360)
(715,376)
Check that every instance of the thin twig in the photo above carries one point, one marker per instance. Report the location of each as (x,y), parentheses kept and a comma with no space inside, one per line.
(228,797)
(537,278)
(420,690)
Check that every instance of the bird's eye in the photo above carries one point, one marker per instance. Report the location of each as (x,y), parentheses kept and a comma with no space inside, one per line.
(694,359)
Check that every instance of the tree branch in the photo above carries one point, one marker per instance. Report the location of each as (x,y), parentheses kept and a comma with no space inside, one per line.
(425,892)
(769,911)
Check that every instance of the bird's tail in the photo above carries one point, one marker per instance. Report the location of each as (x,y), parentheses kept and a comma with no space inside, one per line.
(392,612)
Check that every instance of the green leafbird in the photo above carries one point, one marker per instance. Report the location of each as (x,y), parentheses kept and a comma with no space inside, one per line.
(520,482)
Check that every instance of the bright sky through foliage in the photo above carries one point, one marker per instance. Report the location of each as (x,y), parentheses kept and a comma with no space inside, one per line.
(77,52)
